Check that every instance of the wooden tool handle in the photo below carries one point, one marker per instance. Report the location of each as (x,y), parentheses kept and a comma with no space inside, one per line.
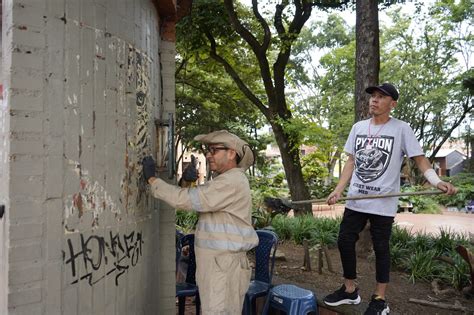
(400,194)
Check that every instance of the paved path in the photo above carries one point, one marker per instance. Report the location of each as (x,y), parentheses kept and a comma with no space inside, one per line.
(458,222)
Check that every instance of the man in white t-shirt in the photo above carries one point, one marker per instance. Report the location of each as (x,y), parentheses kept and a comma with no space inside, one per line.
(376,148)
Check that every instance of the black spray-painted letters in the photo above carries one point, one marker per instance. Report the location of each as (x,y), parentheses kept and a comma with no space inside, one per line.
(117,253)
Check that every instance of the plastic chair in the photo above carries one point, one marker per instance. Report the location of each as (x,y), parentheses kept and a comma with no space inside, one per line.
(264,263)
(189,287)
(291,299)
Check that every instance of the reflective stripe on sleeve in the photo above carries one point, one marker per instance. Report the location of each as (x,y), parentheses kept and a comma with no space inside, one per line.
(194,197)
(224,245)
(226,228)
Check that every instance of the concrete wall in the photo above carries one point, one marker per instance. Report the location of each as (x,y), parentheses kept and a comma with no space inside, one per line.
(83,81)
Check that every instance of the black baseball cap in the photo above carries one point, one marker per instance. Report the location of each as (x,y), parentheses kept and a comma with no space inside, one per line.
(384,88)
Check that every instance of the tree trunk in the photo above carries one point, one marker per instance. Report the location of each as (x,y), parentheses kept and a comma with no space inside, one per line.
(292,166)
(328,258)
(367,74)
(320,260)
(471,160)
(307,256)
(367,54)
(331,166)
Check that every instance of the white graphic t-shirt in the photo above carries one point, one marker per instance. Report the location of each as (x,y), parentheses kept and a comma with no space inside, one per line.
(378,152)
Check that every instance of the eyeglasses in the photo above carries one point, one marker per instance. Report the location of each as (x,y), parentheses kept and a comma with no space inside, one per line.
(213,150)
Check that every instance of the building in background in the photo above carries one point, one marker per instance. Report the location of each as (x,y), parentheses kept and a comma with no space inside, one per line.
(449,162)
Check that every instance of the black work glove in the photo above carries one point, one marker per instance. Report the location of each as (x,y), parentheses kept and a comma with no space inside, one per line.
(148,167)
(190,173)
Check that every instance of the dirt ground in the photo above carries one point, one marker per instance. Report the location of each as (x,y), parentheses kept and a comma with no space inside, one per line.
(399,292)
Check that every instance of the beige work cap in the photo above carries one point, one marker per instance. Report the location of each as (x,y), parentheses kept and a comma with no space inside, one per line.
(231,141)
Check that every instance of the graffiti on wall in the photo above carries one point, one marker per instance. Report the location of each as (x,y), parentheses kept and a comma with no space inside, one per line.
(93,257)
(115,253)
(138,139)
(131,198)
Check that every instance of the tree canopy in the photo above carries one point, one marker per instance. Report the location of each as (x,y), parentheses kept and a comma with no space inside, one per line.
(241,67)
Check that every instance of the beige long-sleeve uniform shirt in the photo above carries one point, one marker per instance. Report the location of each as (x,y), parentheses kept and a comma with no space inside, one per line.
(223,236)
(224,207)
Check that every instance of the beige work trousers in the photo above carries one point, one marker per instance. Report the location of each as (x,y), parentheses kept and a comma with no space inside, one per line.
(223,279)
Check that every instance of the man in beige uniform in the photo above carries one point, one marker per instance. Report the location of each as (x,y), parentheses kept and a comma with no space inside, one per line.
(224,232)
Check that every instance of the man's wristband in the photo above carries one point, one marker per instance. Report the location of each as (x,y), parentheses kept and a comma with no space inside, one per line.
(432,177)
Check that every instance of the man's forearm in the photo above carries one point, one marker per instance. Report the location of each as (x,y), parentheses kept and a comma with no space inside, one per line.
(422,163)
(346,174)
(425,168)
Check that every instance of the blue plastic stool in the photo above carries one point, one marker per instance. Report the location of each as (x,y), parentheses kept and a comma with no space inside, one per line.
(291,299)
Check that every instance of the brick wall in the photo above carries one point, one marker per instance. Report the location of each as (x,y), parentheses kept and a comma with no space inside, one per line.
(83,82)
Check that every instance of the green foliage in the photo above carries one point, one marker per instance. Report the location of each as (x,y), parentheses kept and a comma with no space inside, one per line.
(421,204)
(425,204)
(283,227)
(398,254)
(302,228)
(401,236)
(261,187)
(325,231)
(458,275)
(251,47)
(422,241)
(186,221)
(315,172)
(425,67)
(261,218)
(315,230)
(264,186)
(422,266)
(465,184)
(206,15)
(447,241)
(419,256)
(207,99)
(429,204)
(423,64)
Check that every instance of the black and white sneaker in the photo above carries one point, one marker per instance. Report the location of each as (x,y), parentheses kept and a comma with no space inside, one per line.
(340,297)
(377,306)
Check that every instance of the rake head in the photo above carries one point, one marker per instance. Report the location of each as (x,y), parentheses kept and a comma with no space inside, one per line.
(277,205)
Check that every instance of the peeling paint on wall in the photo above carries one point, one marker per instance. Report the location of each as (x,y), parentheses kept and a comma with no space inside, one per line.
(91,197)
(138,141)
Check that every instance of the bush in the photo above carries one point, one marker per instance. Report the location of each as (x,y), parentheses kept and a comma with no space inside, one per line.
(422,266)
(421,204)
(283,227)
(262,187)
(465,184)
(316,230)
(419,256)
(186,221)
(303,228)
(326,231)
